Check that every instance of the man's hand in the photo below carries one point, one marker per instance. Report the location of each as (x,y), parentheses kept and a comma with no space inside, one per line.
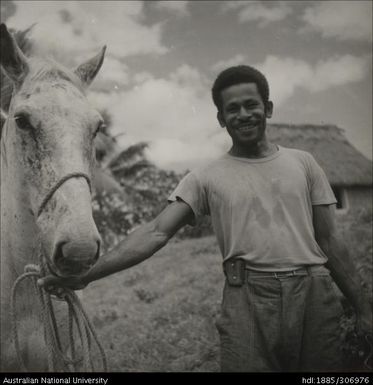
(52,284)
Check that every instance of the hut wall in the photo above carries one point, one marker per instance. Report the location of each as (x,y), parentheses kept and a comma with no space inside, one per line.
(359,198)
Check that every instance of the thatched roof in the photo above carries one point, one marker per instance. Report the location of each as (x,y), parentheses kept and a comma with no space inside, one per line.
(342,163)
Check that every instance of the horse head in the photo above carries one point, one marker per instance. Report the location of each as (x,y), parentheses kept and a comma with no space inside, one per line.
(49,154)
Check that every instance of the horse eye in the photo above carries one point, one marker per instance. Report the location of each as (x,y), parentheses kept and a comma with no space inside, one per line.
(23,122)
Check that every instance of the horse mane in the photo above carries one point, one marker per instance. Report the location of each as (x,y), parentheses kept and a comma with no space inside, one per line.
(24,42)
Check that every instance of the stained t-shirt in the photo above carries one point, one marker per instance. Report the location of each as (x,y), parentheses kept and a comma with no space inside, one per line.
(261,209)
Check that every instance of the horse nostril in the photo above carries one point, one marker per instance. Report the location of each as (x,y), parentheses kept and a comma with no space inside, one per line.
(73,258)
(58,255)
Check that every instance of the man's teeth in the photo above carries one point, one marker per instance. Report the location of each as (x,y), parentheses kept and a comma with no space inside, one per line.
(246,127)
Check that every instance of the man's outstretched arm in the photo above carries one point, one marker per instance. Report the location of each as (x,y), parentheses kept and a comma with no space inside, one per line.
(141,244)
(341,265)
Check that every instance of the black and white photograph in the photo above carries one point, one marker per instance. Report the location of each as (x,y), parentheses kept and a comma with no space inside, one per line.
(186,187)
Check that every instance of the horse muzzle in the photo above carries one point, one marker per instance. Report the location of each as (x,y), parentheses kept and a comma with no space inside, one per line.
(74,242)
(75,258)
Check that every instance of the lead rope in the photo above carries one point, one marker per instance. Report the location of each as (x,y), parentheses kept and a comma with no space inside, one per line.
(77,317)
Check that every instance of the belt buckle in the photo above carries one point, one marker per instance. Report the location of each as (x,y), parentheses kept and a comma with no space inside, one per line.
(284,274)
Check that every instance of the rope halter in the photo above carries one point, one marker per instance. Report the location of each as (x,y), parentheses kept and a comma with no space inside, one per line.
(58,185)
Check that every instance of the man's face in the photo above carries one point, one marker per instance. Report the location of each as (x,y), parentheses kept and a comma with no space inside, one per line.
(244,113)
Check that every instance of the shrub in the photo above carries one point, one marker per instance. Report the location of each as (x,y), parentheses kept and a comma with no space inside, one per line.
(356,229)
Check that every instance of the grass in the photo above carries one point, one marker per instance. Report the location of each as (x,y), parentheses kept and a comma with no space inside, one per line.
(159,316)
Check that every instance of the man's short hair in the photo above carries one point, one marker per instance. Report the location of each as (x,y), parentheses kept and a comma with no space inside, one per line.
(236,75)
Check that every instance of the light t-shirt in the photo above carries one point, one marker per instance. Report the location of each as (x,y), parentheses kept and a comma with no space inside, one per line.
(261,209)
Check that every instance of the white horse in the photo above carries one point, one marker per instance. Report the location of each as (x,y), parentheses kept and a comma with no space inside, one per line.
(47,158)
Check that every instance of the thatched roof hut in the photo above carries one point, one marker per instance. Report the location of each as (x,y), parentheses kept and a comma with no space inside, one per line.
(343,164)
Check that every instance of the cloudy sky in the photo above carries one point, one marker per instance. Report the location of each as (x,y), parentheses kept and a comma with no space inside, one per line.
(163,56)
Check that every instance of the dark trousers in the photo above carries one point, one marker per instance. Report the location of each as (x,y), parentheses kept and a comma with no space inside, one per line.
(281,323)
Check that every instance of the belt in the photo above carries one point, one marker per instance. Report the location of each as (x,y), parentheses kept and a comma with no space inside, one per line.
(309,270)
(276,274)
(237,272)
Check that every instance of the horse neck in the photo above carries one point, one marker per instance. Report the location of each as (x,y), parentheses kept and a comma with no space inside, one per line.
(18,228)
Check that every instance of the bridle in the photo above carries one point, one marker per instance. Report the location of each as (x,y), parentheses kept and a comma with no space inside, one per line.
(51,192)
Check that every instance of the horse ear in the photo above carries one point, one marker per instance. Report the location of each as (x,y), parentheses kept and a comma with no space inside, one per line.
(88,70)
(12,59)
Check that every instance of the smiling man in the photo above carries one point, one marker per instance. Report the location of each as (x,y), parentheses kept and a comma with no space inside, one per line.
(272,210)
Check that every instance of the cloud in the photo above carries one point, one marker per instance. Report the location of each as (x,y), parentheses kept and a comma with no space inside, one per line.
(285,75)
(7,9)
(175,107)
(235,60)
(174,114)
(114,74)
(343,20)
(258,11)
(75,29)
(180,154)
(337,71)
(178,8)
